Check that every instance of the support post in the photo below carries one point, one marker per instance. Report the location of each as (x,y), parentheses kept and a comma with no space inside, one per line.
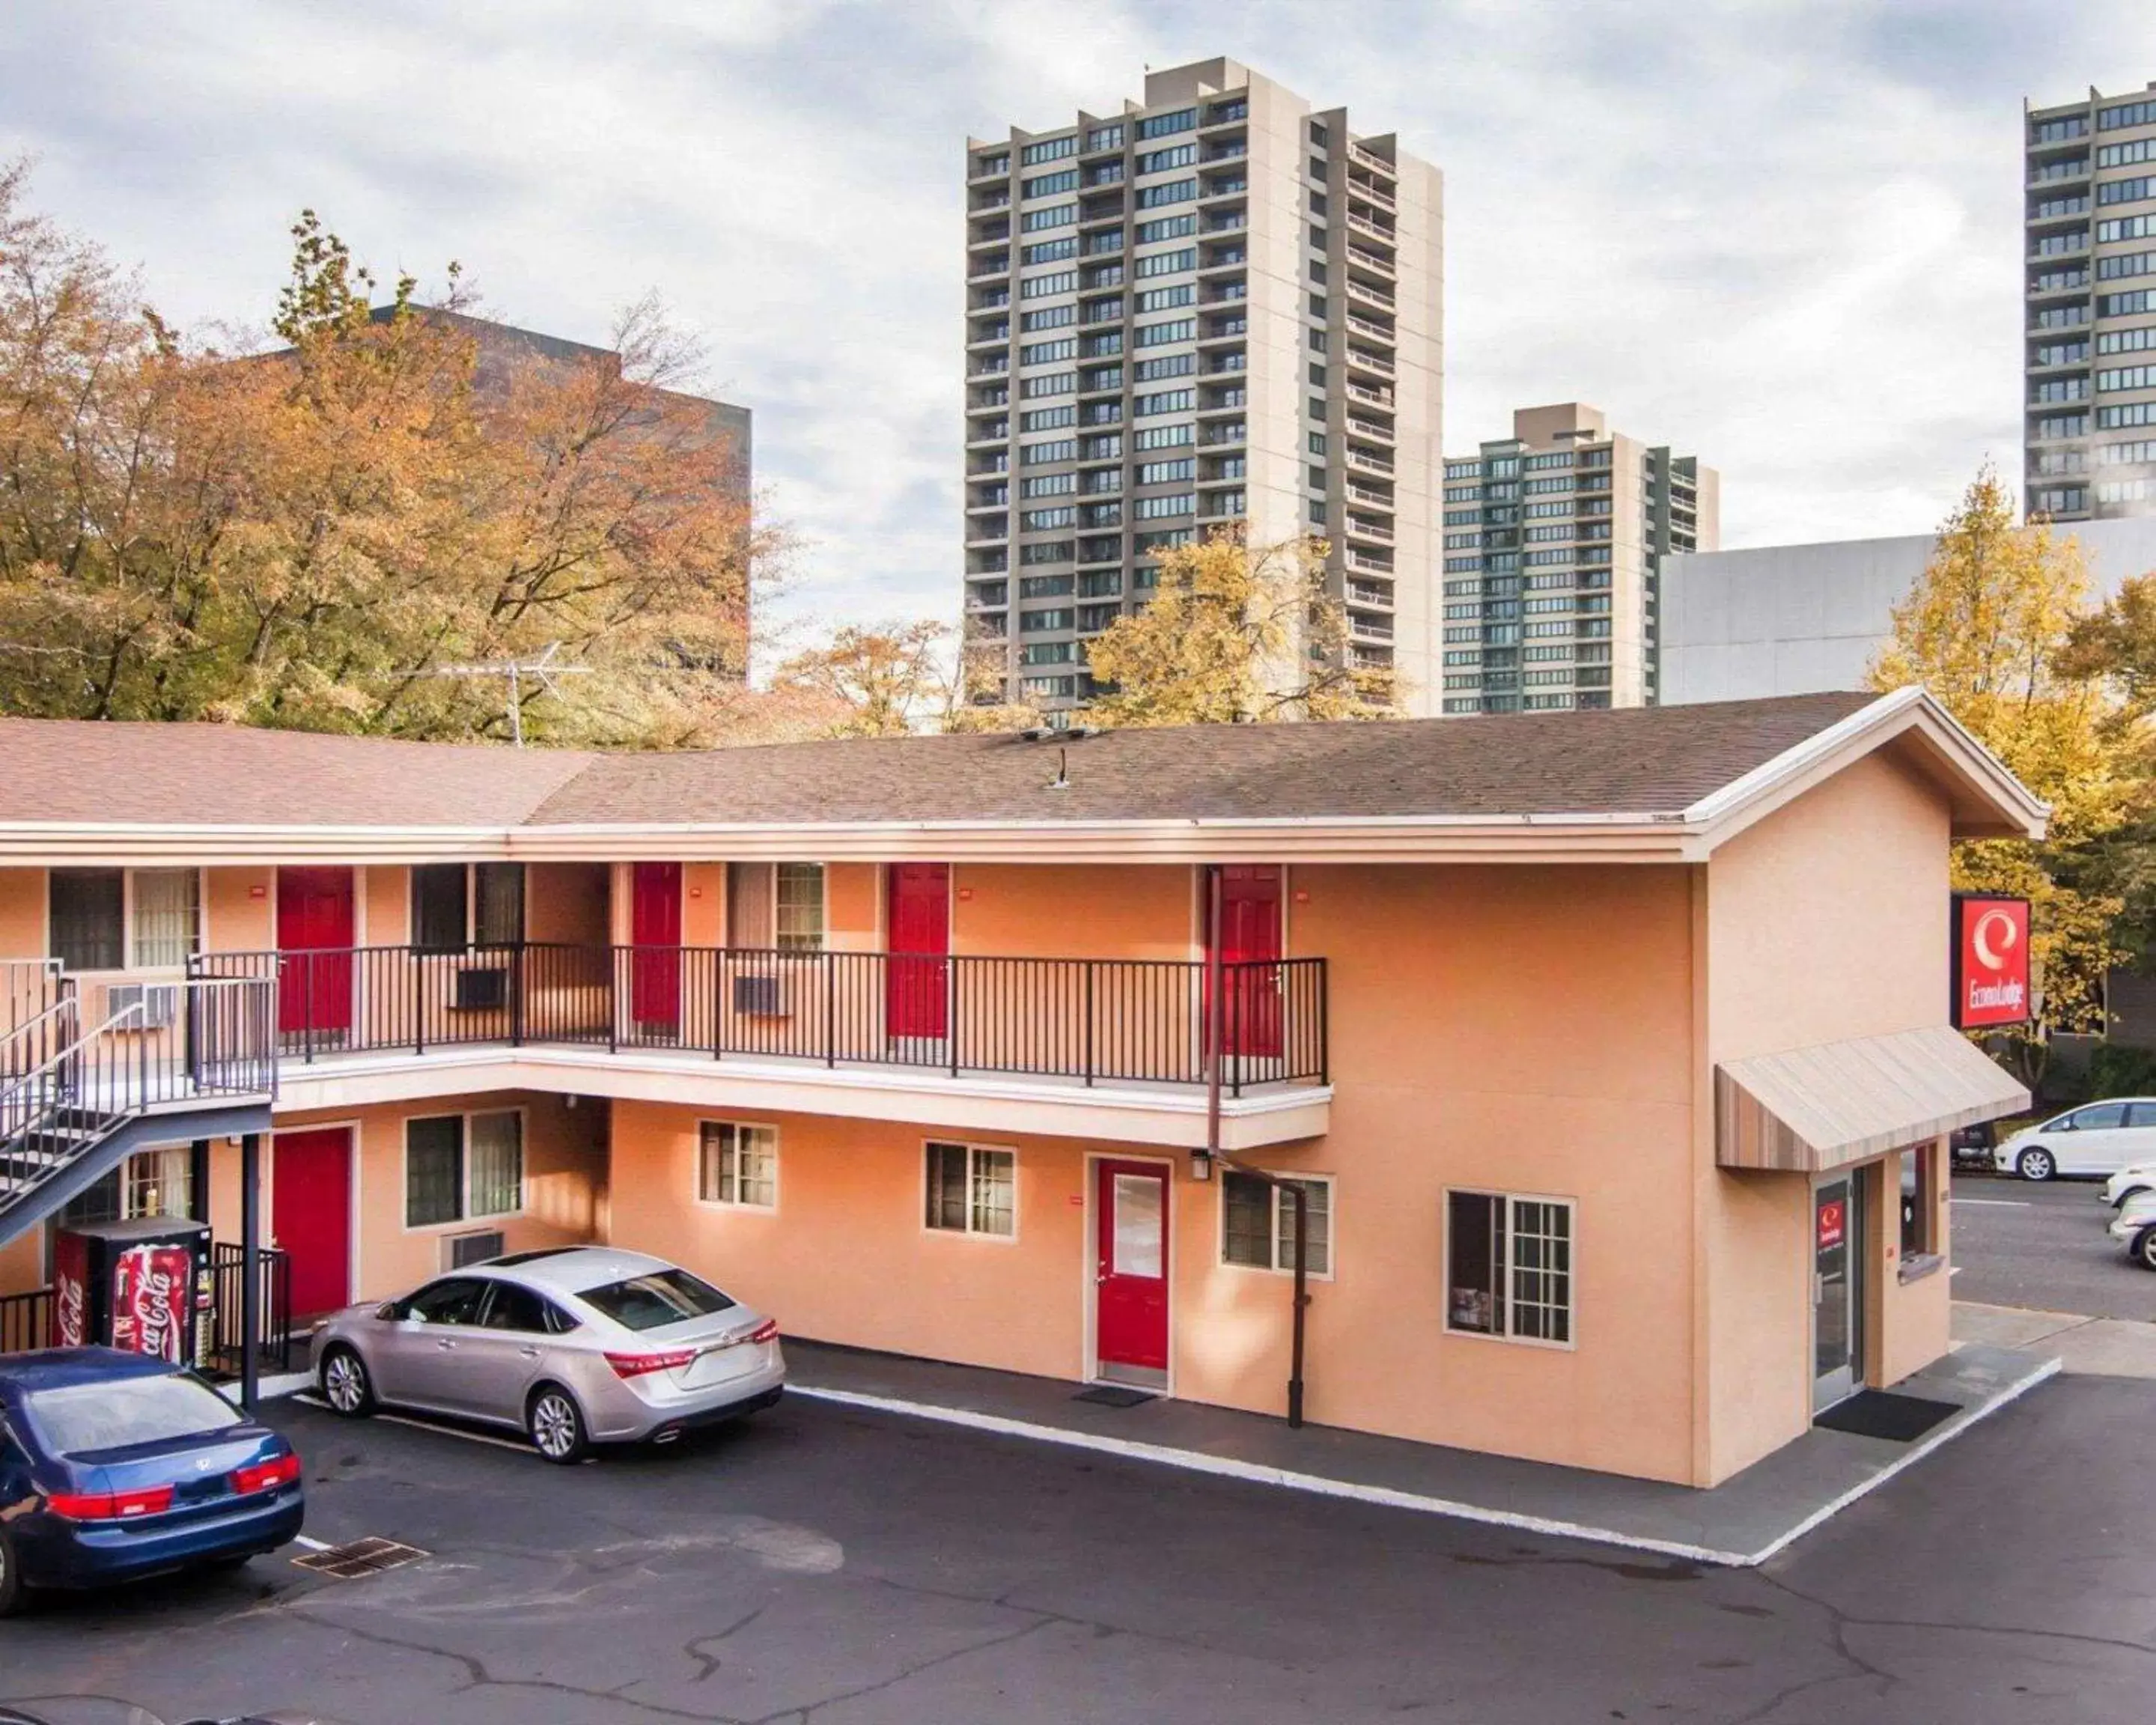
(1301,1194)
(198,1180)
(1212,1009)
(250,1269)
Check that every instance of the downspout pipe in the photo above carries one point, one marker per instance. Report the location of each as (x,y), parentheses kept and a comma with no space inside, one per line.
(1294,1189)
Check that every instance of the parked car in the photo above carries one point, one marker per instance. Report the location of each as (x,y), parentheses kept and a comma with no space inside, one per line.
(2135,1178)
(2135,1228)
(114,1466)
(2096,1138)
(573,1346)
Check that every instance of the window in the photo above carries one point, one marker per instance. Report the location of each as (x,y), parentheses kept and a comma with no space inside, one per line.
(1049,317)
(1104,137)
(1148,509)
(1157,334)
(168,917)
(1157,162)
(1165,473)
(738,1165)
(1054,215)
(86,908)
(1047,419)
(1047,251)
(1166,299)
(150,1183)
(1166,192)
(1049,485)
(800,904)
(653,1300)
(1049,150)
(1163,437)
(453,906)
(1508,1266)
(1061,281)
(438,907)
(1920,1203)
(1257,1223)
(462,1167)
(1174,365)
(1168,262)
(1319,135)
(1047,185)
(971,1190)
(1161,125)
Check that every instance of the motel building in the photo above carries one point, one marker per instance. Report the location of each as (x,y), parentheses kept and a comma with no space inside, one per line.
(1599,1050)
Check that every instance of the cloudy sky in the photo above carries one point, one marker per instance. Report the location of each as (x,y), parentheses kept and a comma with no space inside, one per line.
(1780,232)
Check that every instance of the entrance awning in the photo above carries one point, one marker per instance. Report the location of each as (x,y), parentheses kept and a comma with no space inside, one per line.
(1807,1110)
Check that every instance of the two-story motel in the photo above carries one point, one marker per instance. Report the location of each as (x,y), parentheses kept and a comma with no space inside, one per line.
(1606,1045)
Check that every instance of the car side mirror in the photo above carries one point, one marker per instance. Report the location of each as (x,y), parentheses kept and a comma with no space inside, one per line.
(389,1312)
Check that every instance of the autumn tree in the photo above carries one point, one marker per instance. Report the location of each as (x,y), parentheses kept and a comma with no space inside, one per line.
(1235,633)
(301,537)
(1985,632)
(899,680)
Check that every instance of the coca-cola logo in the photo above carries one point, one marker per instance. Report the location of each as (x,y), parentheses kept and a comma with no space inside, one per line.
(69,1315)
(149,1286)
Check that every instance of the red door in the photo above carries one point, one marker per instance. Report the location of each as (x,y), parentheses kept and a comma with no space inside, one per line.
(655,915)
(1129,1330)
(315,921)
(310,1215)
(1250,940)
(918,991)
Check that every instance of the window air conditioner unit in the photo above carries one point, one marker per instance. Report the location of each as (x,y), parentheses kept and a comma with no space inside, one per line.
(763,996)
(482,989)
(160,1001)
(459,1250)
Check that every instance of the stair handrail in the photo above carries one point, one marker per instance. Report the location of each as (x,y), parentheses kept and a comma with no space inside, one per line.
(72,1052)
(15,1032)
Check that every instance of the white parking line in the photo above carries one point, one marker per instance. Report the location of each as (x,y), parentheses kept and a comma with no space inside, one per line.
(470,1437)
(311,1544)
(1997,1203)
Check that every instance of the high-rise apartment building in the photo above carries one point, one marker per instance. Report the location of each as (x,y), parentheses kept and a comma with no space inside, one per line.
(1554,539)
(2090,434)
(1219,305)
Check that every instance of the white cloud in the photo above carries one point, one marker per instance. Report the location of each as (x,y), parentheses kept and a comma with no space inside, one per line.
(1783,235)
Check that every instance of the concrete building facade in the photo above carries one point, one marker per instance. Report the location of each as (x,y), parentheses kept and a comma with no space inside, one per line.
(1797,620)
(1218,305)
(1554,540)
(2089,258)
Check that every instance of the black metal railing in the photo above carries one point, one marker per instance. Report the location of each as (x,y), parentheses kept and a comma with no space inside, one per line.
(1092,1020)
(226,1351)
(26,1321)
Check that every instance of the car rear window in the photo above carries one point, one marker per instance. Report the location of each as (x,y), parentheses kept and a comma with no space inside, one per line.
(82,1418)
(652,1301)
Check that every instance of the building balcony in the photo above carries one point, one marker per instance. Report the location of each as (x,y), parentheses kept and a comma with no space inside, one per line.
(1359,187)
(1370,563)
(1370,395)
(869,1034)
(982,267)
(1375,332)
(1369,628)
(1368,593)
(1372,230)
(1370,159)
(1365,527)
(1370,260)
(1365,359)
(1358,289)
(1364,494)
(1375,431)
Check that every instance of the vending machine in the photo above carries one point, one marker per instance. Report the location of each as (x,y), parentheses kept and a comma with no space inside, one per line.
(143,1285)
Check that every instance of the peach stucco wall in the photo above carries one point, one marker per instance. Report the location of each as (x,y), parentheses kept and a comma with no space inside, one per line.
(1044,910)
(21,913)
(1826,920)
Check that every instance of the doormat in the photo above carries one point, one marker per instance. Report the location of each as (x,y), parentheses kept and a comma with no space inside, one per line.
(362,1557)
(1110,1395)
(1875,1412)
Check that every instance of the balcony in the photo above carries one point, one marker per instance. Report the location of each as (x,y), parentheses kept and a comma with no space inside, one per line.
(1372,230)
(1370,260)
(1365,593)
(1358,186)
(1375,332)
(1362,526)
(1373,429)
(1364,493)
(1369,394)
(1368,563)
(1358,289)
(981,267)
(1369,159)
(1117,1036)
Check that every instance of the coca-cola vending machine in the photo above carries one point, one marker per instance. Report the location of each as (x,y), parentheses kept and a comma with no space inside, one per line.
(143,1285)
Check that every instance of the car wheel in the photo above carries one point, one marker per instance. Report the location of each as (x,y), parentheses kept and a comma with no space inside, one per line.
(2144,1248)
(557,1426)
(2036,1163)
(345,1385)
(11,1590)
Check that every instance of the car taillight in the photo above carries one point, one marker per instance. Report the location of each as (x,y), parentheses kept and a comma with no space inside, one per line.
(265,1476)
(110,1505)
(637,1365)
(767,1331)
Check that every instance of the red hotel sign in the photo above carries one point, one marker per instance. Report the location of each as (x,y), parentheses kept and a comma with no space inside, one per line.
(1990,961)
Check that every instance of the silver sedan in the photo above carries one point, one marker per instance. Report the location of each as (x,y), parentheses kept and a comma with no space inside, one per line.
(573,1346)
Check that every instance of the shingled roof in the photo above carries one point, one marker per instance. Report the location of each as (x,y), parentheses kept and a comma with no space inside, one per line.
(1642,760)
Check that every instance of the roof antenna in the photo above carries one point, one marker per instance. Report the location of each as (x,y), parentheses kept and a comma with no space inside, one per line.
(1061,782)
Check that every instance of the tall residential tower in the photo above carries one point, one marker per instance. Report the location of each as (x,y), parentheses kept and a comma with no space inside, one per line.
(2090,257)
(1218,305)
(1554,539)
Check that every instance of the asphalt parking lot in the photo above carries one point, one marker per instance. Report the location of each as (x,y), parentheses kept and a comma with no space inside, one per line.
(830,1565)
(2016,1244)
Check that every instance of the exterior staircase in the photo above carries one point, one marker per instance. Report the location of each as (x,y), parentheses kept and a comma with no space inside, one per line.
(78,1095)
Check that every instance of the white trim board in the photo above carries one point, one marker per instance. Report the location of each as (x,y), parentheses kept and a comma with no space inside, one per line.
(1318,1485)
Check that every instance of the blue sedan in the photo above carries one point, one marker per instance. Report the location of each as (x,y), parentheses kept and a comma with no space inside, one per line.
(114,1466)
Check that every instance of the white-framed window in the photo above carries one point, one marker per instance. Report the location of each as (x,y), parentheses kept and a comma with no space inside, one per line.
(1508,1266)
(456,906)
(800,904)
(775,905)
(972,1189)
(738,1165)
(149,1183)
(117,919)
(1257,1223)
(461,1168)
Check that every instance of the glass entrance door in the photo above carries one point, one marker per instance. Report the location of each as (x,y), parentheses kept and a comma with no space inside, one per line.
(1837,1291)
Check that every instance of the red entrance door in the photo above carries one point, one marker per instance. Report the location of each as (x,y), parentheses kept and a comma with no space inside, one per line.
(1130,1330)
(315,932)
(1250,940)
(917,990)
(655,915)
(310,1215)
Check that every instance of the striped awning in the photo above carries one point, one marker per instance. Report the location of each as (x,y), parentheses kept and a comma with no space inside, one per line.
(1807,1110)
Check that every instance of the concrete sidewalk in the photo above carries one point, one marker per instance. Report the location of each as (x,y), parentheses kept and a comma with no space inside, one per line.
(2103,1347)
(1742,1521)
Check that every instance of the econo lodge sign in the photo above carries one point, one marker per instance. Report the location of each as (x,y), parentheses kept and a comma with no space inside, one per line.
(1990,961)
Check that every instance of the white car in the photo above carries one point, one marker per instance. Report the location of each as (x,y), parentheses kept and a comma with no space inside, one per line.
(2135,1229)
(2096,1138)
(2131,1181)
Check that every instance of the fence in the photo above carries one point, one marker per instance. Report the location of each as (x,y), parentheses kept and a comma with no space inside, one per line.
(26,1319)
(1115,1020)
